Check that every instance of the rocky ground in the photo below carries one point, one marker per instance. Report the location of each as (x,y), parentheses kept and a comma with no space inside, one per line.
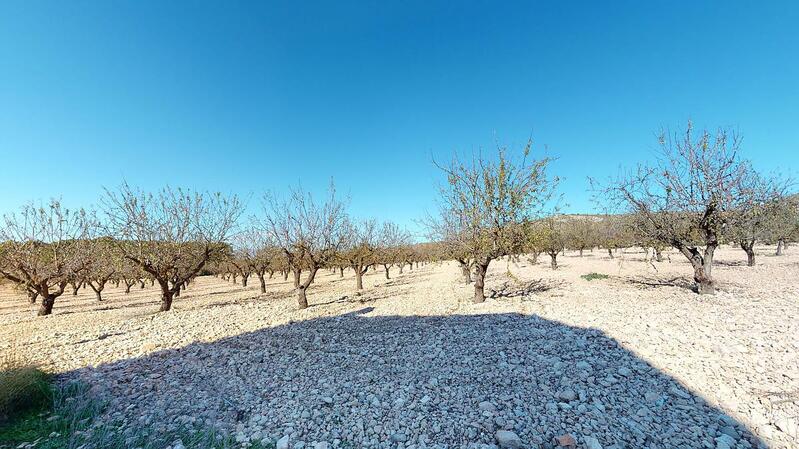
(634,360)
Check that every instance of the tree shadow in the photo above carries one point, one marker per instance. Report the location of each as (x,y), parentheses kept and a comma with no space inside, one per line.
(393,381)
(654,282)
(510,289)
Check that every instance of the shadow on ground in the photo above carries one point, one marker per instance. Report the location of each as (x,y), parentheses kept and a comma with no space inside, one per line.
(432,381)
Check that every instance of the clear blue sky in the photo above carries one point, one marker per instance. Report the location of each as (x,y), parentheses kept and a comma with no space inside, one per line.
(244,97)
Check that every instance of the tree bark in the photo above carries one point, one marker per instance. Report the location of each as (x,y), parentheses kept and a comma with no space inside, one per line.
(244,280)
(581,252)
(387,267)
(166,301)
(703,266)
(780,245)
(32,297)
(748,247)
(46,308)
(359,272)
(658,255)
(263,282)
(479,281)
(296,278)
(610,253)
(141,284)
(341,272)
(553,260)
(302,299)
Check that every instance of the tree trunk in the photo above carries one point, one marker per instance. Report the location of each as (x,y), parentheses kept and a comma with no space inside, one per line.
(581,252)
(341,272)
(401,266)
(386,267)
(46,308)
(99,294)
(780,245)
(75,287)
(302,300)
(296,278)
(749,248)
(553,260)
(244,279)
(141,284)
(127,287)
(467,273)
(479,282)
(32,297)
(658,255)
(359,277)
(610,253)
(166,301)
(263,283)
(702,269)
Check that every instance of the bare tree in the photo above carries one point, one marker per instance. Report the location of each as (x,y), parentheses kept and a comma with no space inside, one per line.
(361,248)
(392,241)
(684,199)
(42,247)
(488,200)
(782,225)
(760,201)
(309,233)
(102,264)
(172,234)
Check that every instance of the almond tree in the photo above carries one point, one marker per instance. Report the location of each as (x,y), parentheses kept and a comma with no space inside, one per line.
(783,224)
(488,200)
(546,236)
(42,248)
(761,200)
(309,233)
(392,239)
(172,234)
(361,249)
(684,200)
(102,264)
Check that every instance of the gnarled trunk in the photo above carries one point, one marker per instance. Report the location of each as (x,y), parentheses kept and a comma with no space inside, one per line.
(46,308)
(553,260)
(479,281)
(386,267)
(262,281)
(749,249)
(703,265)
(296,278)
(166,301)
(359,272)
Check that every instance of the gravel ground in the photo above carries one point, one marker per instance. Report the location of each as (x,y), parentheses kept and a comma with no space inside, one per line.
(635,360)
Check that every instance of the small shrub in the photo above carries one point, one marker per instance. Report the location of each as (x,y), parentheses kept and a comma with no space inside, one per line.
(592,276)
(23,387)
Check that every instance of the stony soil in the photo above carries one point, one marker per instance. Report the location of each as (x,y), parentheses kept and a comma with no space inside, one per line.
(634,360)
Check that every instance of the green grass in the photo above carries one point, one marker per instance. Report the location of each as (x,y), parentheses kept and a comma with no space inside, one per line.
(592,276)
(24,388)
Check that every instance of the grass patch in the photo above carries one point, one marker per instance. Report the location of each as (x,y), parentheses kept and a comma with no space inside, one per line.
(592,276)
(24,388)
